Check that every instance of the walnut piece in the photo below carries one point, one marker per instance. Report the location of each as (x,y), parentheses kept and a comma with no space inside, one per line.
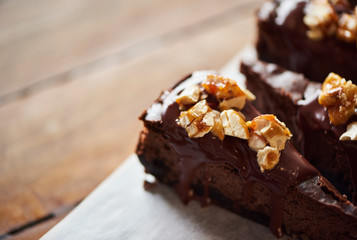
(321,19)
(274,131)
(189,95)
(339,97)
(236,102)
(198,120)
(267,137)
(256,142)
(234,124)
(226,91)
(351,133)
(347,27)
(218,129)
(267,158)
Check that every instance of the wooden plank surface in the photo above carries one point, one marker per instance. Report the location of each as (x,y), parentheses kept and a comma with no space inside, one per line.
(76,74)
(56,37)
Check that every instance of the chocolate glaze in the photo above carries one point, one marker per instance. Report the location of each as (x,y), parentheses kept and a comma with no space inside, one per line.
(292,168)
(351,150)
(308,206)
(283,89)
(294,99)
(282,40)
(312,118)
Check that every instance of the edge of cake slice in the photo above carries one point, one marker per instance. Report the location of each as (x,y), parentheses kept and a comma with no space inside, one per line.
(231,170)
(295,100)
(312,37)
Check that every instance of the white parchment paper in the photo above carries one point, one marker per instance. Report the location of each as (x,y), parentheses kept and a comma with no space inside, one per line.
(120,208)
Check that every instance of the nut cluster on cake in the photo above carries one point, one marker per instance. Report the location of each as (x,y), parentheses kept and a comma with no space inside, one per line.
(207,140)
(266,135)
(339,97)
(323,21)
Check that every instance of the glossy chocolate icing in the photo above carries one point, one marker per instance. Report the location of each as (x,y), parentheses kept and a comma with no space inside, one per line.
(318,140)
(292,168)
(282,40)
(314,117)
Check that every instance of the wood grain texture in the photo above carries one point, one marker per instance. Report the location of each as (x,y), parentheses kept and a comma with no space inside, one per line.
(36,231)
(61,141)
(56,37)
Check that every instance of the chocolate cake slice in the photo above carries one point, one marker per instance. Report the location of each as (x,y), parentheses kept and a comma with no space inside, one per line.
(313,37)
(294,100)
(182,146)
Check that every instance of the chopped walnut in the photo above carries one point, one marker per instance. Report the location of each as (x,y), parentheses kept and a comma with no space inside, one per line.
(267,137)
(267,158)
(218,129)
(256,142)
(226,91)
(321,19)
(347,27)
(201,119)
(234,124)
(198,120)
(236,102)
(339,97)
(351,133)
(274,131)
(189,95)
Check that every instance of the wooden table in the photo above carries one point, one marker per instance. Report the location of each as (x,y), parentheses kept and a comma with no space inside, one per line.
(74,77)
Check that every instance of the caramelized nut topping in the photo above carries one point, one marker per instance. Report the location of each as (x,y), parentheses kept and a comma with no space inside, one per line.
(218,129)
(347,28)
(201,119)
(265,134)
(339,97)
(351,133)
(236,102)
(274,131)
(267,158)
(256,142)
(189,95)
(198,120)
(321,19)
(222,88)
(234,124)
(226,91)
(268,137)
